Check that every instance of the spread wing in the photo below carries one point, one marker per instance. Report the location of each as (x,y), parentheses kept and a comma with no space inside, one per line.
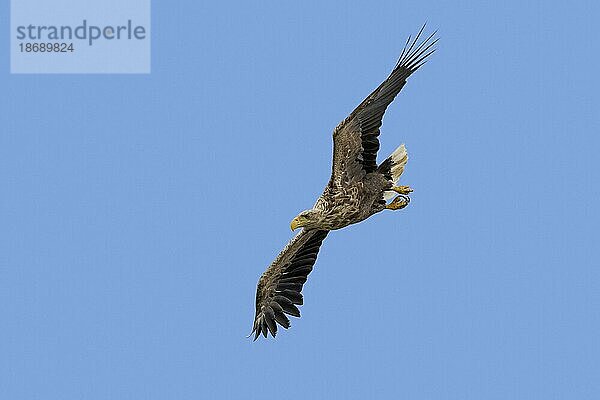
(279,287)
(356,139)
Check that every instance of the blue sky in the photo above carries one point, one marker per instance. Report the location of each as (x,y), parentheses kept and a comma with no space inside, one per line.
(139,211)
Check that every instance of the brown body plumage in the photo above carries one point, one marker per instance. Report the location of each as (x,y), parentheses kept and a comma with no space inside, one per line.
(358,188)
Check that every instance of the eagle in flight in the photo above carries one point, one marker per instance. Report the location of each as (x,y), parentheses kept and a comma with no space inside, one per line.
(357,189)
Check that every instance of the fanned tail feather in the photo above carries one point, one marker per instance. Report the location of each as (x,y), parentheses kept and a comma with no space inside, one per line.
(399,159)
(393,167)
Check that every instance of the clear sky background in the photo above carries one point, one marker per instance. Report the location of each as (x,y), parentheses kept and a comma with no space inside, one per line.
(137,212)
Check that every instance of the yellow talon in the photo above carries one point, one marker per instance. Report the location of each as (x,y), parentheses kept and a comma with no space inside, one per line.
(398,203)
(402,189)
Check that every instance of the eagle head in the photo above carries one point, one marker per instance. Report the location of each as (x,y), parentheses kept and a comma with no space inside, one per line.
(306,219)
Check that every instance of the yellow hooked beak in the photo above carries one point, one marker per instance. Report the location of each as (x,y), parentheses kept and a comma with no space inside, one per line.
(295,223)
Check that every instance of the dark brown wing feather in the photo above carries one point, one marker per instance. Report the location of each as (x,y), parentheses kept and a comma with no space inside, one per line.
(280,286)
(361,127)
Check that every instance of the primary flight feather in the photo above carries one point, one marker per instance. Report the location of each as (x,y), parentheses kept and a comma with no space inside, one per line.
(357,189)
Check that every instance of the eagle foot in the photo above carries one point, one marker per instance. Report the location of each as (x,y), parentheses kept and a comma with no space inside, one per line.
(398,203)
(402,189)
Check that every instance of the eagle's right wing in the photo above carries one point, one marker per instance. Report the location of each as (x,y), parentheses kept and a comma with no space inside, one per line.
(279,287)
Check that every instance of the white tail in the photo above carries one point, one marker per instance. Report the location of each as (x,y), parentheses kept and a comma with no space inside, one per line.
(399,159)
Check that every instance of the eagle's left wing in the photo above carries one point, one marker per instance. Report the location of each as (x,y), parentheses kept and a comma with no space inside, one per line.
(356,138)
(279,287)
